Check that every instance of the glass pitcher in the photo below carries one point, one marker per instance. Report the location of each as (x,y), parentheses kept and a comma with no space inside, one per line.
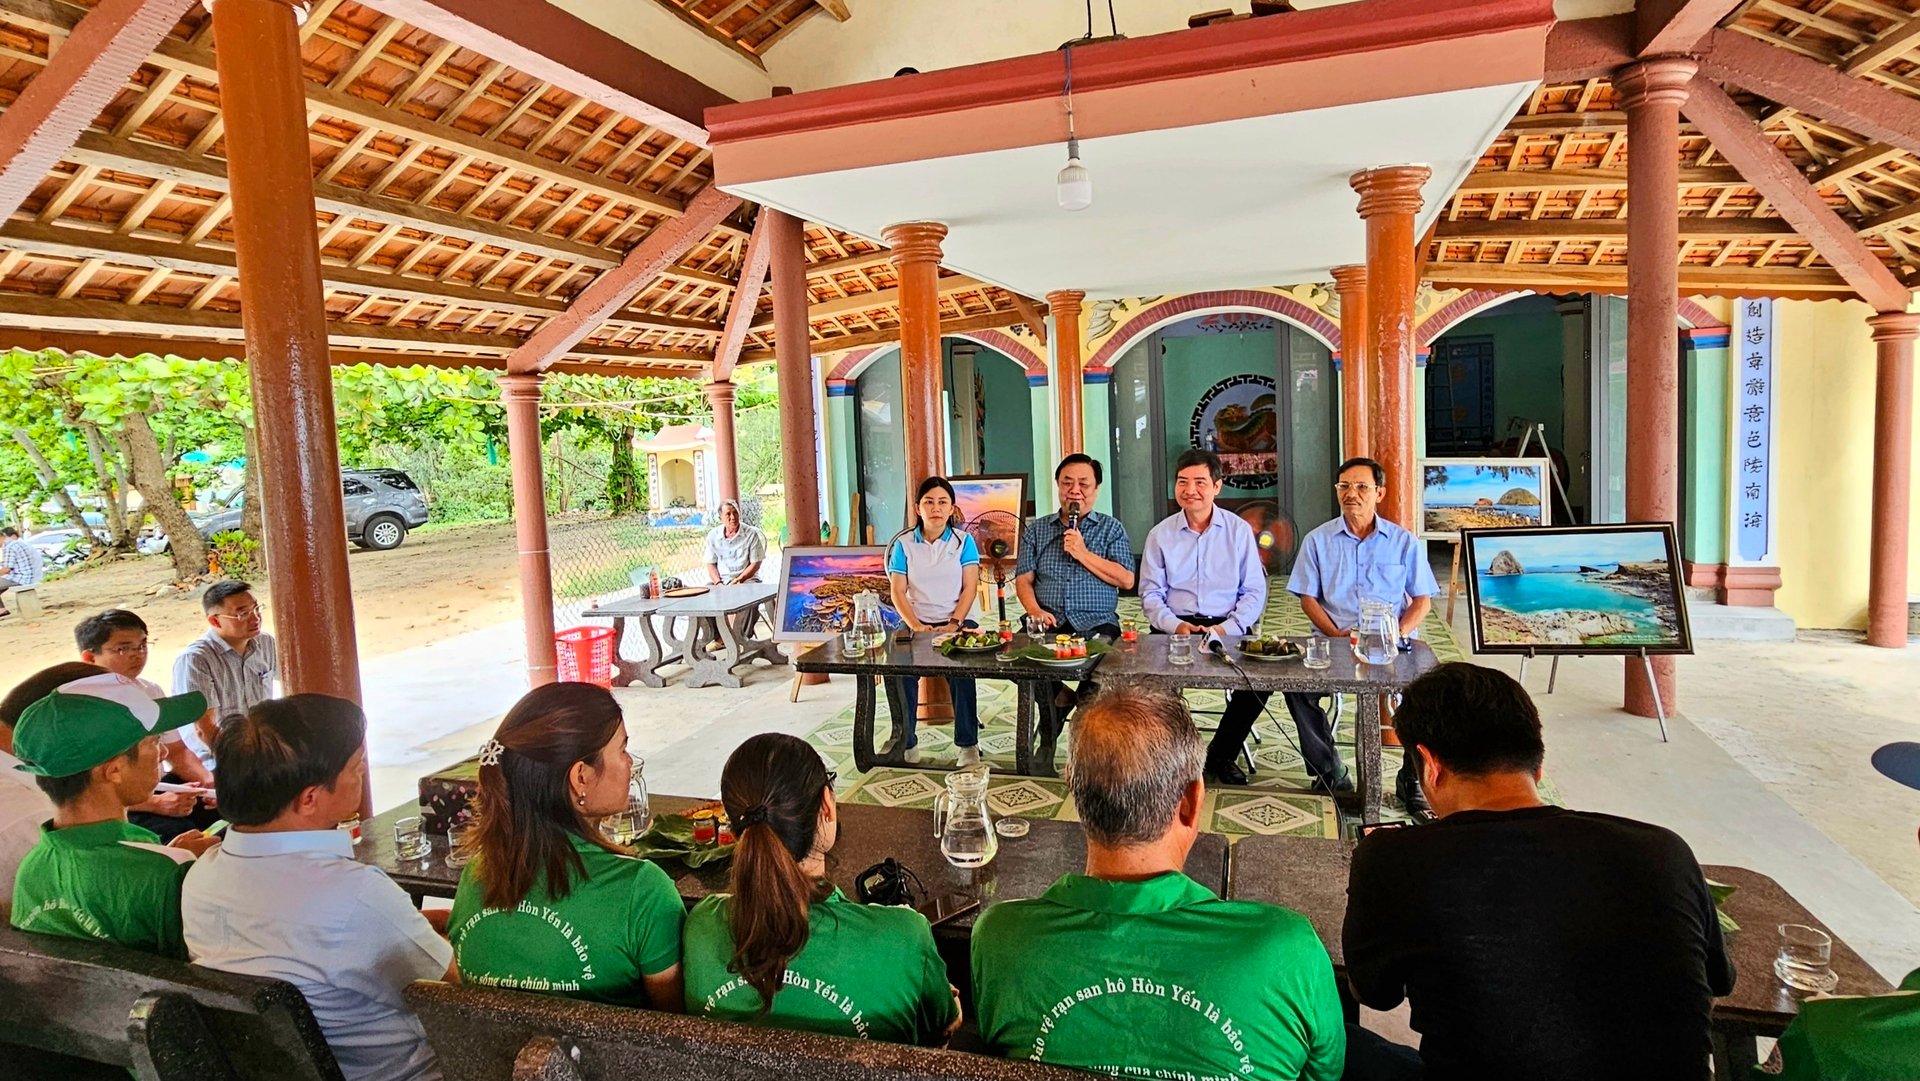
(962,821)
(1379,633)
(865,629)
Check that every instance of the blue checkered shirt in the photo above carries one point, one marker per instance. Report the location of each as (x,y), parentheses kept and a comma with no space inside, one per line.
(1060,583)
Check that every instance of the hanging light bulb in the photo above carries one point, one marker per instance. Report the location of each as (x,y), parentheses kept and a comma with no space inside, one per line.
(1074,185)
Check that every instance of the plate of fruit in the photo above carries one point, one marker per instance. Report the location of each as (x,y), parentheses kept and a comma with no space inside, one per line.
(970,641)
(1269,649)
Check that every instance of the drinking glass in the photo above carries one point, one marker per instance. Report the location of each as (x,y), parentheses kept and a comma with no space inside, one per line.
(1180,649)
(351,827)
(410,839)
(1032,626)
(458,840)
(1319,652)
(854,642)
(1805,962)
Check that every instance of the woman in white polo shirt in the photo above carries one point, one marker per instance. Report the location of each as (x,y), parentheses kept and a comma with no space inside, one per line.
(935,571)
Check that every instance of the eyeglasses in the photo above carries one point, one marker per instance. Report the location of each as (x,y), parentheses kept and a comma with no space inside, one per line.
(255,612)
(127,651)
(1358,489)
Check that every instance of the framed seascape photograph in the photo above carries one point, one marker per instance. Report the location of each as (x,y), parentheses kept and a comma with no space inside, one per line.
(1480,493)
(817,586)
(1576,589)
(992,507)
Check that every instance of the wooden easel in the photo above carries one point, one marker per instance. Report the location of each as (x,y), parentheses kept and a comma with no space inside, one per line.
(1453,580)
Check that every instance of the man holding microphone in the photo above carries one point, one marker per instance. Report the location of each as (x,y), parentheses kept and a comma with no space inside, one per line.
(1200,573)
(1071,569)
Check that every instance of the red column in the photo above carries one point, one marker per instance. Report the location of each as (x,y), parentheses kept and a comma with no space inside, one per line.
(1064,305)
(726,446)
(521,393)
(1893,337)
(1389,198)
(263,105)
(1351,281)
(916,261)
(793,363)
(1651,92)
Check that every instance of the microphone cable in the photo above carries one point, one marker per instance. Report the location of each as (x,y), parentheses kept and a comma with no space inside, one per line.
(1219,649)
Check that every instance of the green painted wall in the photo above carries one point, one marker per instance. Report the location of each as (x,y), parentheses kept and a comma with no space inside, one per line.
(1097,437)
(1040,414)
(1704,536)
(1009,421)
(1526,367)
(843,479)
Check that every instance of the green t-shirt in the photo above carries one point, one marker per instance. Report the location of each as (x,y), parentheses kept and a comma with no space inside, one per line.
(868,971)
(1872,1038)
(107,880)
(1157,979)
(618,924)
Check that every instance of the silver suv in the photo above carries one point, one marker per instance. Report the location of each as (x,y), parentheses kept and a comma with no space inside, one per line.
(382,504)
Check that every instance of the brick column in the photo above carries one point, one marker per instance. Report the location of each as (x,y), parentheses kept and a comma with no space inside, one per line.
(1893,337)
(521,394)
(1389,198)
(1355,439)
(1065,307)
(1651,92)
(916,261)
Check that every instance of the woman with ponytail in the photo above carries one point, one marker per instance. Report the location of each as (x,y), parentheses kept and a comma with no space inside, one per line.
(547,903)
(785,948)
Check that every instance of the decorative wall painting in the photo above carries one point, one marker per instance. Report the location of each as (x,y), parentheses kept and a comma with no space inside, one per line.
(1481,493)
(1238,419)
(817,586)
(1576,590)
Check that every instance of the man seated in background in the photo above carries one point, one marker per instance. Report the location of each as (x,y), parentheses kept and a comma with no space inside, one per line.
(1857,1037)
(21,564)
(735,550)
(1133,968)
(283,897)
(94,749)
(234,663)
(23,807)
(116,640)
(1532,941)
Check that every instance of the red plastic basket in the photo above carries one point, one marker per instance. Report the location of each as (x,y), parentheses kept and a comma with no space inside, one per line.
(585,655)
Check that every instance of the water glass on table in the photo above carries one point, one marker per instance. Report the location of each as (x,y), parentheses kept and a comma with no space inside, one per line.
(410,839)
(1318,652)
(1805,962)
(1180,649)
(460,839)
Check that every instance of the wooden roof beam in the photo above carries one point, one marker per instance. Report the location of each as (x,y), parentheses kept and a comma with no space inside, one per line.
(1612,278)
(1662,27)
(746,299)
(1773,175)
(1813,88)
(1032,313)
(560,48)
(956,325)
(883,298)
(111,345)
(1582,49)
(85,73)
(1888,46)
(613,289)
(1589,179)
(1692,227)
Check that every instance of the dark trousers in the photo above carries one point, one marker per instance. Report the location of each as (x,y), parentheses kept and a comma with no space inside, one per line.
(1053,718)
(1243,708)
(1316,741)
(1373,1057)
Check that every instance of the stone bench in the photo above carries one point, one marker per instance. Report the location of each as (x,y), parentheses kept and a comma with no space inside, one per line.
(25,602)
(76,1010)
(486,1034)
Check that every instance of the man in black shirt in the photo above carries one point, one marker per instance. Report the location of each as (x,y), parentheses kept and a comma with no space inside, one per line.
(1533,942)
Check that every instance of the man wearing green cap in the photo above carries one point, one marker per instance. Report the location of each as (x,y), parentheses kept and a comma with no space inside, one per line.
(93,747)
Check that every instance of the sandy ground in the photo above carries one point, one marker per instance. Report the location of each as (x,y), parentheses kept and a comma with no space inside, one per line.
(440,582)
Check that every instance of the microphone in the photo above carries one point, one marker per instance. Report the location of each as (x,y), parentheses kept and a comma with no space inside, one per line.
(1215,646)
(1073,515)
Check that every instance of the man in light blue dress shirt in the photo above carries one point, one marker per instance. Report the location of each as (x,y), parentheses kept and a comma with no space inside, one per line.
(1200,573)
(1357,557)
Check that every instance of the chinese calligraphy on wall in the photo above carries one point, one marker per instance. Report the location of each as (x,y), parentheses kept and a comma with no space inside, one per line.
(1752,427)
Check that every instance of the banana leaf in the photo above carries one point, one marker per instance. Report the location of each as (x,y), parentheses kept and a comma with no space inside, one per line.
(671,837)
(1721,891)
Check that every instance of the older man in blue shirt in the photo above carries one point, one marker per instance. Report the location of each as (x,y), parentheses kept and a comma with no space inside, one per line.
(1357,557)
(1069,574)
(1200,573)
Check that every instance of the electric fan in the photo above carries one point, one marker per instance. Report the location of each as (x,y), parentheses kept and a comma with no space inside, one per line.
(1273,532)
(997,535)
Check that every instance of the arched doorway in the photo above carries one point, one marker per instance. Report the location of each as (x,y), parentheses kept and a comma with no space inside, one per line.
(1254,387)
(989,425)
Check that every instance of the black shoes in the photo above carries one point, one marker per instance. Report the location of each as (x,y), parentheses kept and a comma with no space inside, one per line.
(1227,773)
(1407,787)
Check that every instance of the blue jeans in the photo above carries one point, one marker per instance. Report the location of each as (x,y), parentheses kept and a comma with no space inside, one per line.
(966,710)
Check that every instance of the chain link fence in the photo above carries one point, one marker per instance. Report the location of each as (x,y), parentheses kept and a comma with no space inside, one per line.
(597,558)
